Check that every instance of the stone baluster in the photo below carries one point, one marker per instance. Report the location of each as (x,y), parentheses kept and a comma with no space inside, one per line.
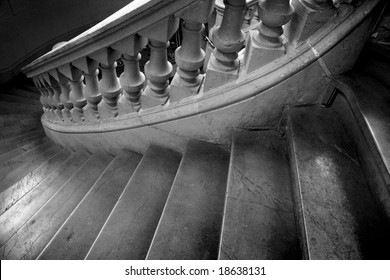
(76,94)
(158,69)
(109,85)
(132,79)
(50,95)
(309,16)
(251,6)
(61,97)
(255,19)
(265,44)
(228,39)
(39,86)
(90,70)
(190,56)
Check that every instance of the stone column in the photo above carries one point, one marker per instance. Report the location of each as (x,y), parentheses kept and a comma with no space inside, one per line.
(132,79)
(228,39)
(265,44)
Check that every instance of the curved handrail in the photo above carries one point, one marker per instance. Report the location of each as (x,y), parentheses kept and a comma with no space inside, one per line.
(129,20)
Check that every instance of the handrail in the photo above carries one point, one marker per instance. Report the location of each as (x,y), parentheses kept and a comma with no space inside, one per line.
(129,20)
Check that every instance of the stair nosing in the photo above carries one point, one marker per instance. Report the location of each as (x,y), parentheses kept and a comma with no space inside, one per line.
(113,208)
(165,205)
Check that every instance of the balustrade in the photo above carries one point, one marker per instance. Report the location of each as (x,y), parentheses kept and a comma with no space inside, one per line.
(64,96)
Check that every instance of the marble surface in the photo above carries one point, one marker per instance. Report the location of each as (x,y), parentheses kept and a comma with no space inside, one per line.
(79,232)
(259,218)
(338,215)
(32,238)
(372,103)
(20,174)
(14,218)
(130,227)
(191,223)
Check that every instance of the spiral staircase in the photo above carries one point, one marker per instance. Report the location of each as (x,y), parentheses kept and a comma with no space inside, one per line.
(277,148)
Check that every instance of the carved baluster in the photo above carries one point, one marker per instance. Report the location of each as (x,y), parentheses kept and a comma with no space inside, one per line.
(49,96)
(61,89)
(92,94)
(39,86)
(76,94)
(131,80)
(309,16)
(158,69)
(265,44)
(190,56)
(255,18)
(228,39)
(251,6)
(109,85)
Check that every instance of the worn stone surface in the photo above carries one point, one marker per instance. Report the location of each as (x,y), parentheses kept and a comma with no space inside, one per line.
(133,221)
(32,238)
(191,223)
(259,218)
(337,213)
(77,235)
(13,219)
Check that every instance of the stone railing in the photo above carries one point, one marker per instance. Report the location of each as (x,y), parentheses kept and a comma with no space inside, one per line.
(68,76)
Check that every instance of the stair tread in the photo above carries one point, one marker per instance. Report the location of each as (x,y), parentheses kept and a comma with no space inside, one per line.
(20,141)
(23,93)
(18,130)
(24,172)
(337,212)
(191,222)
(259,220)
(34,236)
(131,225)
(77,235)
(22,149)
(19,99)
(374,108)
(13,219)
(18,108)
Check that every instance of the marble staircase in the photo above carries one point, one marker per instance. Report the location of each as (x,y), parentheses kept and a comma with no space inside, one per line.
(302,192)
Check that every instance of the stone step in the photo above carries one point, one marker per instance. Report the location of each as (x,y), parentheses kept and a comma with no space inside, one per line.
(78,233)
(259,220)
(13,131)
(130,227)
(21,174)
(32,238)
(10,108)
(19,120)
(15,142)
(337,213)
(12,220)
(370,101)
(19,99)
(190,225)
(18,150)
(23,93)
